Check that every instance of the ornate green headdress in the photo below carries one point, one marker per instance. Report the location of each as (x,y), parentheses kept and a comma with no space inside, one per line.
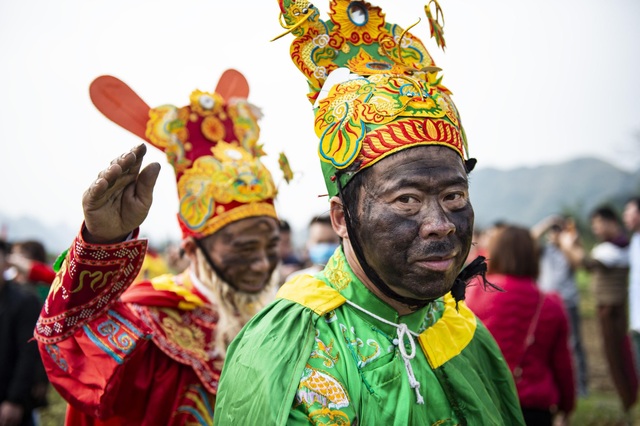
(374,86)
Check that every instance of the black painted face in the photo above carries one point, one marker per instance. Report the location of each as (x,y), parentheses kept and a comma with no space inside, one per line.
(246,252)
(415,220)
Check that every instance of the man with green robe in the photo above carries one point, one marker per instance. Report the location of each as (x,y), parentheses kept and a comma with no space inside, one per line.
(381,336)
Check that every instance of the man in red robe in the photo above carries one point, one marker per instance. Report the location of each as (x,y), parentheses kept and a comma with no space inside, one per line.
(151,353)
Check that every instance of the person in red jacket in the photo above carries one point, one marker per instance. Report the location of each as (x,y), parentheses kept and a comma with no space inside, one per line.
(531,328)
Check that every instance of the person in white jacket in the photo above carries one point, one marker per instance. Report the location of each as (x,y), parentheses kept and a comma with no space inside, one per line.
(631,218)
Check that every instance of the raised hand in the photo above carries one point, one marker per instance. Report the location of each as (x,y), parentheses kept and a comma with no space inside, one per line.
(118,201)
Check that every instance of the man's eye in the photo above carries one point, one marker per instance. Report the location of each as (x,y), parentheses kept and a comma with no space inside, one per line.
(246,249)
(407,199)
(456,200)
(453,196)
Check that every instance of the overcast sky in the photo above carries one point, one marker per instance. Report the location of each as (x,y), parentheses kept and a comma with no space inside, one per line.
(536,82)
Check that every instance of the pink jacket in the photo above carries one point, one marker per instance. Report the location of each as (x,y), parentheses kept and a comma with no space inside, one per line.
(547,378)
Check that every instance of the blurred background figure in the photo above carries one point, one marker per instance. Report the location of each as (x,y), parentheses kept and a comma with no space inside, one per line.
(153,265)
(322,241)
(608,263)
(161,261)
(485,237)
(559,260)
(175,258)
(290,262)
(20,362)
(631,217)
(530,326)
(29,263)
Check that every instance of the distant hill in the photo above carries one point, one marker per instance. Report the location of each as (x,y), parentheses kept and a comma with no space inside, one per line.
(55,238)
(522,195)
(527,195)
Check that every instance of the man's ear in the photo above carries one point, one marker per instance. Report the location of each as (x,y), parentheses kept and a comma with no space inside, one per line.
(338,220)
(189,247)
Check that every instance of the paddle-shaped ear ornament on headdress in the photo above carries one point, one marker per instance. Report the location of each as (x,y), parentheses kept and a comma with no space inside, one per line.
(120,104)
(212,144)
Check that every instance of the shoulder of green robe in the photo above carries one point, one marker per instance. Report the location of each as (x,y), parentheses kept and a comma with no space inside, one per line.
(266,360)
(312,293)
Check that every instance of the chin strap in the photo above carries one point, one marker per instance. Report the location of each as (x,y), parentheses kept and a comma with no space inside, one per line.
(211,264)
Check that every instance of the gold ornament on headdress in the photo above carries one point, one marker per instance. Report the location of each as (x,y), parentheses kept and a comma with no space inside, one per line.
(374,86)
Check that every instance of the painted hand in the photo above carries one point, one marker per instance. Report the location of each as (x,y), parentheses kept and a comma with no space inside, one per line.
(118,201)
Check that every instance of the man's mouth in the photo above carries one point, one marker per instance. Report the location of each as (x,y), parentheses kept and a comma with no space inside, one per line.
(436,263)
(254,285)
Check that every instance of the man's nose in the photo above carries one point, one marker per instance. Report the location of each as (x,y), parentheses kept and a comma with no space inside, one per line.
(436,224)
(260,263)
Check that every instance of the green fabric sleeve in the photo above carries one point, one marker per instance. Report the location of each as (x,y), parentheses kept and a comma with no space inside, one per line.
(479,384)
(258,387)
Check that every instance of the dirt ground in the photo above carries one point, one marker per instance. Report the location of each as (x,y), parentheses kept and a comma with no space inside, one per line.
(602,405)
(599,379)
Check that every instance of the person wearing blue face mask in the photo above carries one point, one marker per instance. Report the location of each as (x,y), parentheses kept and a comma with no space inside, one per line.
(322,242)
(320,253)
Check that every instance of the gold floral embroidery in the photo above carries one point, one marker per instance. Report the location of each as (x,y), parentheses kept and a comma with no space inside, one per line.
(323,352)
(166,129)
(183,335)
(368,30)
(57,282)
(365,64)
(356,345)
(318,386)
(326,417)
(212,128)
(231,174)
(205,103)
(336,274)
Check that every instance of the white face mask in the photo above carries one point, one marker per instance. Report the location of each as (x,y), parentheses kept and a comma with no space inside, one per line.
(10,273)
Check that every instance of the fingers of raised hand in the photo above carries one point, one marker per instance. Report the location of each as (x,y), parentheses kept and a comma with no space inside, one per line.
(121,171)
(127,164)
(132,160)
(146,181)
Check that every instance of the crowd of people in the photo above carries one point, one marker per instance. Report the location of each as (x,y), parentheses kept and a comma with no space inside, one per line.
(536,313)
(396,309)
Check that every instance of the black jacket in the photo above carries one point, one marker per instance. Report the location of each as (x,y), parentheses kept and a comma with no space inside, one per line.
(20,361)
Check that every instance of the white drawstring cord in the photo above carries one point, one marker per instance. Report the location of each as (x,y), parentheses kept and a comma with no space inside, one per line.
(402,331)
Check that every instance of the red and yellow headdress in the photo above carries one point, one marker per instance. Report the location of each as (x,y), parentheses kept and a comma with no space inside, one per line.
(374,86)
(212,144)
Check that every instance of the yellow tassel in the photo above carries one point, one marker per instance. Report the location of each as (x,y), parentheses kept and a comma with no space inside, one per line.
(437,27)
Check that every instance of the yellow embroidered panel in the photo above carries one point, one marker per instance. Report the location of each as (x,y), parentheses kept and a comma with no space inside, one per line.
(450,335)
(312,293)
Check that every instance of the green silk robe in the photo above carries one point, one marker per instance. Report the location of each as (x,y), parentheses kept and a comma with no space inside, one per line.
(311,358)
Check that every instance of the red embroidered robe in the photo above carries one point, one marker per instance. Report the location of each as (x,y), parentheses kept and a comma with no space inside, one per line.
(128,355)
